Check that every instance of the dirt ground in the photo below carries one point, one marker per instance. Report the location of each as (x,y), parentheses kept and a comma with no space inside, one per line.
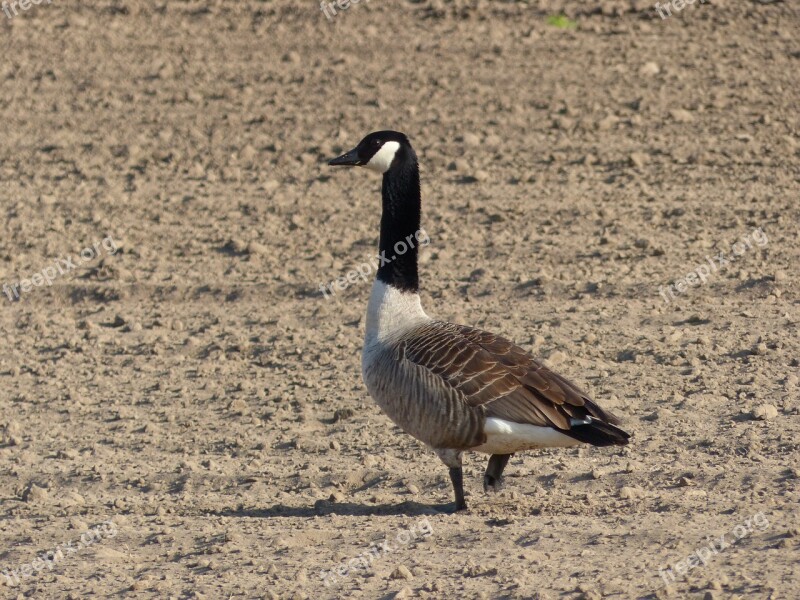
(181,409)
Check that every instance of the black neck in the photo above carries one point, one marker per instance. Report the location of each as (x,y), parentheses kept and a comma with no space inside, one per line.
(399,224)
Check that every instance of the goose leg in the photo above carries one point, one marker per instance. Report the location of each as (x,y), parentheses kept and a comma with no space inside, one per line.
(457,477)
(452,458)
(494,471)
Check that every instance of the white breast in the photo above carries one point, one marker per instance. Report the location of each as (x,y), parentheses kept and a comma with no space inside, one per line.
(391,312)
(506,437)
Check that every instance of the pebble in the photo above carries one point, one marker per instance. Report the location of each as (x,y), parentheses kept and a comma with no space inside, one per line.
(238,406)
(238,245)
(638,159)
(73,499)
(402,572)
(649,69)
(248,153)
(470,139)
(681,115)
(342,414)
(257,248)
(608,122)
(630,493)
(458,164)
(765,412)
(34,493)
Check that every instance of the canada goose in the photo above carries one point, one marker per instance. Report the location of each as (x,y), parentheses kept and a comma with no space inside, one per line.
(452,387)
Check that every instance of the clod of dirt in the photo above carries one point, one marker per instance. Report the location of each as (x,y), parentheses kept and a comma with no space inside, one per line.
(402,572)
(765,412)
(34,493)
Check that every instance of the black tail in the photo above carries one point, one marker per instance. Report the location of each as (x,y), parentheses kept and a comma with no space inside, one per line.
(597,433)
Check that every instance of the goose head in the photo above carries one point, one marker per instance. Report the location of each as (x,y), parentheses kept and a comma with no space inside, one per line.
(379,151)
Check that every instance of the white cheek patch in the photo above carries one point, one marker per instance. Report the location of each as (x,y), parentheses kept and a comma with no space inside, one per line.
(383,158)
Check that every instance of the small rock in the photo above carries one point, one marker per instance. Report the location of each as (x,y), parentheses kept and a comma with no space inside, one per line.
(73,499)
(630,493)
(765,412)
(608,122)
(257,248)
(638,159)
(402,572)
(34,493)
(458,164)
(470,139)
(342,414)
(649,69)
(238,406)
(681,115)
(248,153)
(238,245)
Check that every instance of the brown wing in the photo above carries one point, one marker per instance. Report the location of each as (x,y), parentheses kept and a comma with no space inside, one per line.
(498,375)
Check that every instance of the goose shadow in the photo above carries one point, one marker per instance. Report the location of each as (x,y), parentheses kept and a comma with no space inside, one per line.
(324,508)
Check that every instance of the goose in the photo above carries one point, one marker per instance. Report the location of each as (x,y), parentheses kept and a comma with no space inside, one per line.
(452,387)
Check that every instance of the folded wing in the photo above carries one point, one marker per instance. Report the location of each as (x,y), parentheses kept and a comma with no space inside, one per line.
(498,376)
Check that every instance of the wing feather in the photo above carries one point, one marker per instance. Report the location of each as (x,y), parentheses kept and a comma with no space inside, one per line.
(493,373)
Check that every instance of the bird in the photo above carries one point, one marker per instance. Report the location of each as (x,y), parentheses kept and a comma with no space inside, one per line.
(453,387)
